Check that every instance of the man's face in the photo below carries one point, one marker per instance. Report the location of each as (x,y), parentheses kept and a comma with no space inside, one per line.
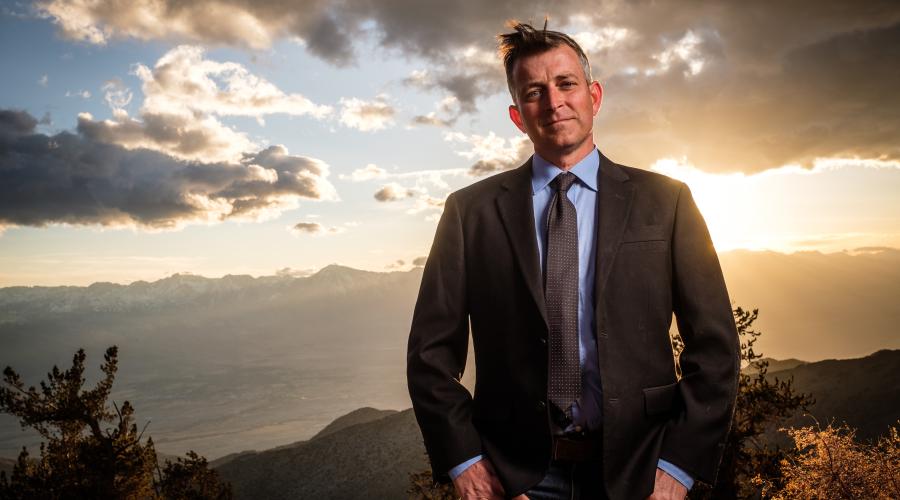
(555,104)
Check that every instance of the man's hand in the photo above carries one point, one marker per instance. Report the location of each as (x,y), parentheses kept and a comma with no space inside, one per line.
(667,487)
(479,482)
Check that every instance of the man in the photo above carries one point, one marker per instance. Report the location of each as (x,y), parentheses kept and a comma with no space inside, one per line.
(568,270)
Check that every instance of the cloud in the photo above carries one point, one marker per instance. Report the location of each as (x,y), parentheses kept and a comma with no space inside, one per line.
(370,171)
(84,94)
(397,264)
(420,261)
(116,94)
(202,138)
(184,80)
(73,179)
(749,87)
(367,116)
(446,114)
(684,51)
(316,229)
(394,192)
(492,154)
(465,73)
(185,95)
(98,22)
(43,80)
(597,40)
(436,178)
(422,201)
(288,272)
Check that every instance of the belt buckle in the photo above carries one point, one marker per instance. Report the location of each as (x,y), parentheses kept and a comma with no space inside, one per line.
(574,450)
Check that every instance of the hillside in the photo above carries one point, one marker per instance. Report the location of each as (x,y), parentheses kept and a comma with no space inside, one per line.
(362,461)
(775,365)
(863,392)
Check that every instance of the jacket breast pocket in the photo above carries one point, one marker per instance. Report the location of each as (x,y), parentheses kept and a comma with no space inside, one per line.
(653,238)
(660,399)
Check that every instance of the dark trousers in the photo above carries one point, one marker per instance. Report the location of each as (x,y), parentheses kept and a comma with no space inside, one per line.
(570,481)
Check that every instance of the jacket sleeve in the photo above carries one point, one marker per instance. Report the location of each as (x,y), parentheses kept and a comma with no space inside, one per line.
(436,354)
(710,362)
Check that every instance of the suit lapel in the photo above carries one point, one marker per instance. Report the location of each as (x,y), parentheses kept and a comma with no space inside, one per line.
(516,208)
(615,194)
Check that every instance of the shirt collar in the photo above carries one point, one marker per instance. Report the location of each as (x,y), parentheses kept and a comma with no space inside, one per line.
(543,172)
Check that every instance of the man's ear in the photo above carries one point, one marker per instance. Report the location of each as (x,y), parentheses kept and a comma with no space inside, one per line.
(596,95)
(516,117)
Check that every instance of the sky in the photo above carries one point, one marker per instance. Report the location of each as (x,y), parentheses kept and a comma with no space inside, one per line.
(146,138)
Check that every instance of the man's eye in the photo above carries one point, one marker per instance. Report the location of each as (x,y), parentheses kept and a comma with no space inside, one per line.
(532,94)
(567,84)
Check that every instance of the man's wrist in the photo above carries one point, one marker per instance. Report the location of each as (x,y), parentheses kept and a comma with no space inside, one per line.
(459,469)
(676,472)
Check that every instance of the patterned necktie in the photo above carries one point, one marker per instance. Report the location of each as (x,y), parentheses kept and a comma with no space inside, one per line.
(561,295)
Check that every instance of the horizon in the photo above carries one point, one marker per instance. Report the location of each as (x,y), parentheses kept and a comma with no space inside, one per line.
(407,267)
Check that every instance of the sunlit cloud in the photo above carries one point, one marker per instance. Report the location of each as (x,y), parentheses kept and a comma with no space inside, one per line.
(491,153)
(437,178)
(367,116)
(685,50)
(370,171)
(422,200)
(183,80)
(394,192)
(185,95)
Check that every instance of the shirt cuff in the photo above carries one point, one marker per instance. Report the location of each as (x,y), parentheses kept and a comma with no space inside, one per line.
(456,471)
(679,475)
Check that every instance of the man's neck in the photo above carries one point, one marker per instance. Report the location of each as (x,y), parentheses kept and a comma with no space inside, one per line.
(568,159)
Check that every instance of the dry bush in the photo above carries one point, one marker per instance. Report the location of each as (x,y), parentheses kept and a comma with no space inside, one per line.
(831,464)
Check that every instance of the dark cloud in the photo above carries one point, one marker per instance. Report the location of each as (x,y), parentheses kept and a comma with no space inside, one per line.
(308,227)
(15,124)
(830,98)
(419,261)
(71,178)
(316,229)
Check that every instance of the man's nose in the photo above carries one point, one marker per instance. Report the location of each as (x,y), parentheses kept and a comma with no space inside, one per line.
(554,98)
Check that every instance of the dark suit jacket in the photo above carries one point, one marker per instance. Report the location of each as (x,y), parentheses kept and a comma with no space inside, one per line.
(654,257)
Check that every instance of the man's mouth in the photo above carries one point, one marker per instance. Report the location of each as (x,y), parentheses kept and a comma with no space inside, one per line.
(557,120)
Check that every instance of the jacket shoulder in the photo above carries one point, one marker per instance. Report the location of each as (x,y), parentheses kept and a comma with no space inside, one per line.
(648,179)
(486,189)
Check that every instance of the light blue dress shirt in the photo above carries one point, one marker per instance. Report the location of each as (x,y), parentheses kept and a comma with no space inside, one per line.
(587,410)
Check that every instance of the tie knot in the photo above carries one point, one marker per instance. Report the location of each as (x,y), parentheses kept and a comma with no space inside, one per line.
(563,181)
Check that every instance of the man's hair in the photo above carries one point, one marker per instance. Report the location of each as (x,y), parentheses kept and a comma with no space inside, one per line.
(527,41)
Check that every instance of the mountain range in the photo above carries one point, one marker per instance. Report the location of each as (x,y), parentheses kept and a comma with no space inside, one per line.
(225,365)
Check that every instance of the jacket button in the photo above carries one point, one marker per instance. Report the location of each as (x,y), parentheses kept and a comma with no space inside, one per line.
(540,406)
(543,341)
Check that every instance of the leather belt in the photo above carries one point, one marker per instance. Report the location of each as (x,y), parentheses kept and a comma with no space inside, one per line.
(577,447)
